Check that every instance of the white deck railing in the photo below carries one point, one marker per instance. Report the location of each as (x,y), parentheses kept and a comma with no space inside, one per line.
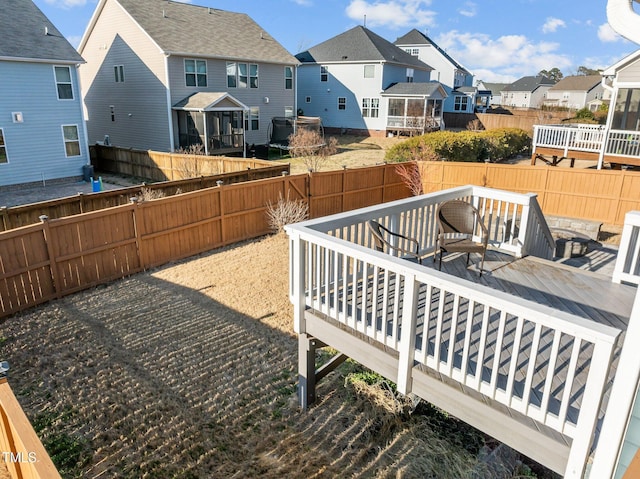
(513,351)
(508,217)
(587,138)
(627,266)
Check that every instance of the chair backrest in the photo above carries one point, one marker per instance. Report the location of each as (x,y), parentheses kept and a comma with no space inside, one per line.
(378,239)
(457,216)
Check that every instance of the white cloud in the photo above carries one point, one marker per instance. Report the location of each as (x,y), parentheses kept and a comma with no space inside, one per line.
(504,57)
(469,9)
(392,13)
(607,34)
(552,24)
(304,3)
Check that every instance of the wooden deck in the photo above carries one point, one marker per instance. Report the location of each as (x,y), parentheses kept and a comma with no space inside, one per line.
(564,288)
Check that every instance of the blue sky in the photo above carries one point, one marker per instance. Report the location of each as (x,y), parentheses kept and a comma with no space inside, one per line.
(497,40)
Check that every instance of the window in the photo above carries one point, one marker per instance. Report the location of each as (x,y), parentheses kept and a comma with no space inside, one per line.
(307,99)
(342,103)
(324,73)
(288,111)
(369,71)
(253,75)
(71,140)
(195,72)
(253,120)
(63,83)
(112,112)
(231,75)
(118,71)
(288,78)
(243,75)
(396,106)
(3,149)
(409,75)
(370,107)
(461,103)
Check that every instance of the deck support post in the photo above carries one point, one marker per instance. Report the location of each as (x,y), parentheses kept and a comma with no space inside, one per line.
(306,370)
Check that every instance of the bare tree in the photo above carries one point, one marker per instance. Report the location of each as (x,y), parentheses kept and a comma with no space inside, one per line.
(286,211)
(311,148)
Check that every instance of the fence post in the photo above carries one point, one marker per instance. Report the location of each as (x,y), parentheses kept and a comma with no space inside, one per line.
(53,263)
(5,218)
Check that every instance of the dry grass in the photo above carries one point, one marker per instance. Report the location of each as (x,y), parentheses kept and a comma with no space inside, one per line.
(189,371)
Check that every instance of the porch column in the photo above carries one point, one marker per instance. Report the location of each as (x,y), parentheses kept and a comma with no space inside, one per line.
(206,133)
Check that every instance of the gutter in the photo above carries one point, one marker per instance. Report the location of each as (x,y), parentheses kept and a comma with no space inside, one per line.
(624,19)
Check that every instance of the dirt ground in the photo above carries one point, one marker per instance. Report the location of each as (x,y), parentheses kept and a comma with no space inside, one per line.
(190,370)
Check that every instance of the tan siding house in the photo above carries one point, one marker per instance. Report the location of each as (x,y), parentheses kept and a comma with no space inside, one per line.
(148,85)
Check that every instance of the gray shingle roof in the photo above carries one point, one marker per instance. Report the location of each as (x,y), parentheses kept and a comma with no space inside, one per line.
(415,37)
(360,45)
(420,89)
(495,88)
(529,83)
(578,83)
(22,33)
(183,28)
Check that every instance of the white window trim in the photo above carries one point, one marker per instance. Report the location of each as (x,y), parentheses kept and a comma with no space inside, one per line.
(6,151)
(345,103)
(64,141)
(206,72)
(286,70)
(119,73)
(55,80)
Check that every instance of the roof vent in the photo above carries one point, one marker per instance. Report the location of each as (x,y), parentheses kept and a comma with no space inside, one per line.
(46,30)
(164,14)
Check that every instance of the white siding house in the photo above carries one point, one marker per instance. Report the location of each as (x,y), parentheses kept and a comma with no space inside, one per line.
(361,82)
(451,74)
(576,92)
(42,133)
(527,92)
(150,85)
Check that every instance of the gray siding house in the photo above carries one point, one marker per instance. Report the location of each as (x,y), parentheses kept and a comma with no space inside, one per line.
(359,81)
(42,133)
(456,79)
(527,92)
(163,75)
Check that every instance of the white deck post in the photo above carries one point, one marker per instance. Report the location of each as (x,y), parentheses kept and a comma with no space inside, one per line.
(623,393)
(408,334)
(603,147)
(536,129)
(297,271)
(525,220)
(631,223)
(588,416)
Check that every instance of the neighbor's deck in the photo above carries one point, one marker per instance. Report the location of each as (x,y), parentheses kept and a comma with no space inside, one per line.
(566,288)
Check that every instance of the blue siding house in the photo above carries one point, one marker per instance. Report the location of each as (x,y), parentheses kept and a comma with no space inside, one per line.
(42,132)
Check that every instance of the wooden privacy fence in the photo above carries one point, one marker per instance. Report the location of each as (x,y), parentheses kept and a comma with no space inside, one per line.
(600,195)
(16,216)
(57,257)
(161,166)
(22,452)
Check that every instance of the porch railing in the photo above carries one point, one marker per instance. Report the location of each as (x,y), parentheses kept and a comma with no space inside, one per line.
(511,350)
(627,266)
(413,122)
(588,138)
(233,140)
(623,143)
(508,216)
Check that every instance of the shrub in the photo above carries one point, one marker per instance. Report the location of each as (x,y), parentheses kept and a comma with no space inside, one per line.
(311,147)
(462,146)
(286,211)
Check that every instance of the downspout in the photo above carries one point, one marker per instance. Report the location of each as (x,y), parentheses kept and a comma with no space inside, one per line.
(624,19)
(169,111)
